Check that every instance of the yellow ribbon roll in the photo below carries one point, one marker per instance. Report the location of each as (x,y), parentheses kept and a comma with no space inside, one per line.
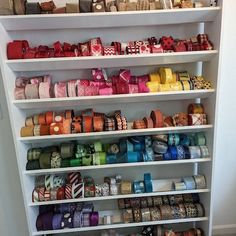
(155,77)
(164,87)
(186,85)
(153,86)
(166,75)
(177,86)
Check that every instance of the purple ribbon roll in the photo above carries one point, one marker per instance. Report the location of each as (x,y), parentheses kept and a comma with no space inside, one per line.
(64,208)
(78,219)
(86,219)
(94,218)
(39,223)
(56,222)
(47,221)
(67,221)
(45,209)
(88,207)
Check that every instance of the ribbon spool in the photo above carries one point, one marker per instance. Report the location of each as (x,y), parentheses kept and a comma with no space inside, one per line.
(159,147)
(195,152)
(200,181)
(166,75)
(173,139)
(190,183)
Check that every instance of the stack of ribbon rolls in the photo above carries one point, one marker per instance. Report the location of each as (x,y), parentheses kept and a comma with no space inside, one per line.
(100,84)
(52,123)
(64,216)
(128,150)
(20,49)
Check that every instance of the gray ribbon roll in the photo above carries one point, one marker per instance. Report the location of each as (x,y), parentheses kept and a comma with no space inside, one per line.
(159,147)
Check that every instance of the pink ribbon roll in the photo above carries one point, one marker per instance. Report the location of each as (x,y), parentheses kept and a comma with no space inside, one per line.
(94,218)
(19,93)
(60,90)
(44,90)
(106,91)
(31,91)
(72,88)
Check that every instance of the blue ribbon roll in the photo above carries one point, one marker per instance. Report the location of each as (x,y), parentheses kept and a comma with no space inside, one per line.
(148,186)
(138,187)
(132,157)
(180,152)
(187,153)
(173,139)
(126,146)
(111,159)
(159,147)
(147,176)
(184,140)
(174,153)
(148,155)
(167,156)
(121,158)
(189,182)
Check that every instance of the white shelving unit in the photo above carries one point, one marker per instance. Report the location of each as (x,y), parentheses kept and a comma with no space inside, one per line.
(120,26)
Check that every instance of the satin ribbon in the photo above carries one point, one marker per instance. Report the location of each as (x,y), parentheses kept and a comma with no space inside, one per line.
(190,183)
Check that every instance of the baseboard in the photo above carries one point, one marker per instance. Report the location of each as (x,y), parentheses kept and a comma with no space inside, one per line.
(224,229)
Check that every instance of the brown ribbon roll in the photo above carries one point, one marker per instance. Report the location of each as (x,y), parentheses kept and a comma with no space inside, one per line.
(29,121)
(148,122)
(157,118)
(27,131)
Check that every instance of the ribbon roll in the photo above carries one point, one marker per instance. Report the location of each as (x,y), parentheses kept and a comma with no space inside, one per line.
(200,139)
(67,221)
(173,139)
(57,220)
(204,151)
(67,150)
(200,181)
(173,152)
(180,186)
(190,183)
(159,147)
(184,140)
(155,77)
(157,118)
(166,75)
(195,152)
(177,86)
(32,91)
(180,152)
(138,187)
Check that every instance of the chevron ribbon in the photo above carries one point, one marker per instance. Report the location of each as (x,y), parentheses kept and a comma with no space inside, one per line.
(47,182)
(74,178)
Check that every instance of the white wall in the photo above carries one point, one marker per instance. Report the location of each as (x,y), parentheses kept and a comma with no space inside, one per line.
(225,174)
(12,213)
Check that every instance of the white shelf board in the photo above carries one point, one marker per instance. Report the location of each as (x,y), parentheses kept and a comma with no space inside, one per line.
(70,63)
(33,204)
(123,225)
(112,134)
(109,19)
(109,166)
(112,99)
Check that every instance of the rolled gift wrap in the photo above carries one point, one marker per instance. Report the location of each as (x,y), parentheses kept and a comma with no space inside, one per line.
(195,152)
(157,117)
(19,93)
(33,165)
(45,160)
(27,131)
(200,181)
(173,139)
(67,221)
(32,91)
(189,182)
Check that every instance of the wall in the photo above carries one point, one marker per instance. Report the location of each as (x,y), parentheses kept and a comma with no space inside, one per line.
(12,213)
(225,174)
